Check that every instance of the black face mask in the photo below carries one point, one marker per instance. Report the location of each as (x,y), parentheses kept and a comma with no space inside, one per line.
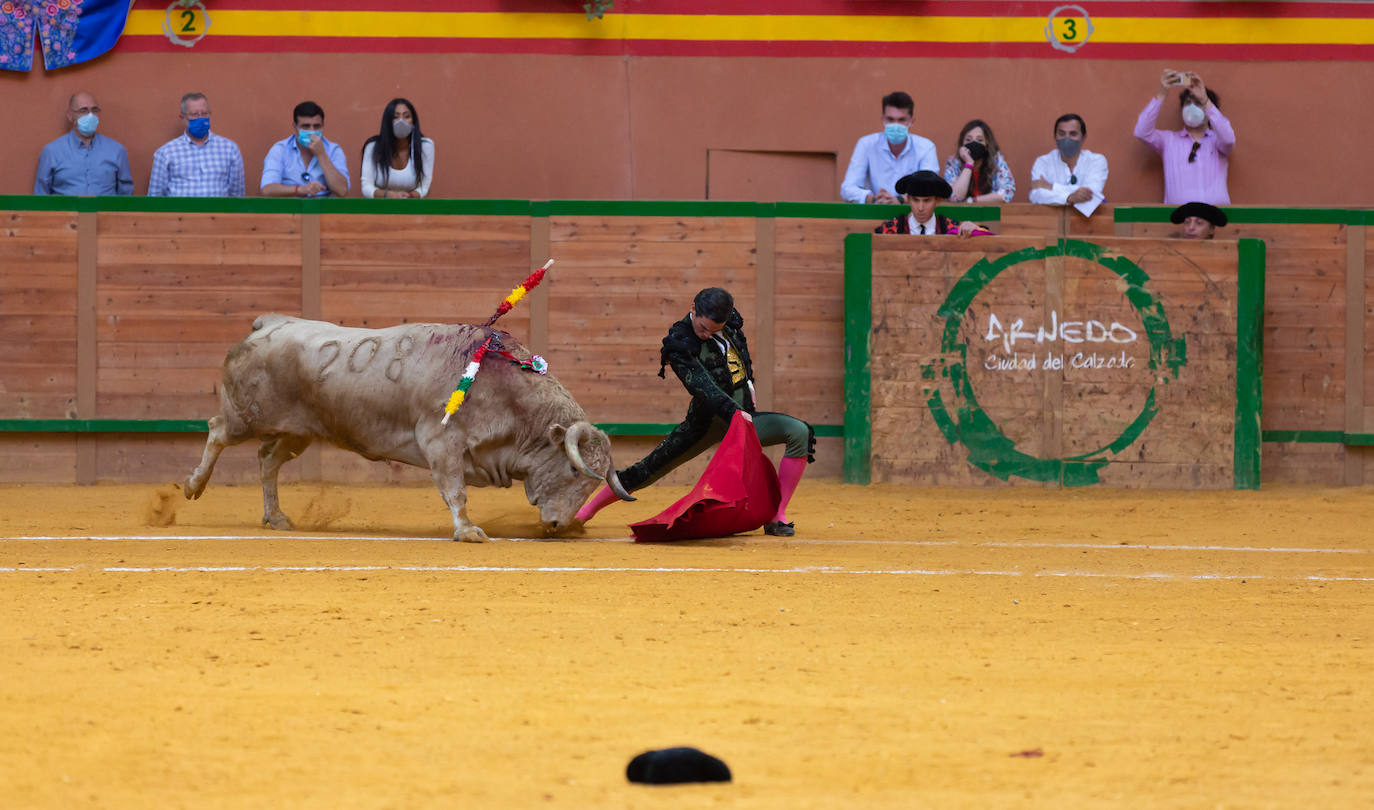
(976,150)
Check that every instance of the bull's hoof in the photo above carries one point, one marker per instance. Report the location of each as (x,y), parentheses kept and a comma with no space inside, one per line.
(281,523)
(472,534)
(190,490)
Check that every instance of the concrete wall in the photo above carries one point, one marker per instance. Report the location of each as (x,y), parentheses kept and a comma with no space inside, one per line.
(640,127)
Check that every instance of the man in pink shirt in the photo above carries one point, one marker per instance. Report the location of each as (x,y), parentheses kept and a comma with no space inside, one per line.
(1195,157)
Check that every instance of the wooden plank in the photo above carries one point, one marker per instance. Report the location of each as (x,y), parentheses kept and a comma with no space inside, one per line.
(763,342)
(1356,308)
(1052,406)
(218,252)
(1297,463)
(30,458)
(423,227)
(651,229)
(428,253)
(169,354)
(540,252)
(147,224)
(28,225)
(86,359)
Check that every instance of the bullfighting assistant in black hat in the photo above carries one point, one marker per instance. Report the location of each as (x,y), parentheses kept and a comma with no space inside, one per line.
(924,184)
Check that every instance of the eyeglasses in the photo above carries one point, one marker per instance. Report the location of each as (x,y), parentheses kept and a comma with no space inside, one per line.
(1073,179)
(1192,156)
(305,177)
(85,110)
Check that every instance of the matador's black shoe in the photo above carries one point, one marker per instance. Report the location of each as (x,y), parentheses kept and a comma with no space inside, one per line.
(779,529)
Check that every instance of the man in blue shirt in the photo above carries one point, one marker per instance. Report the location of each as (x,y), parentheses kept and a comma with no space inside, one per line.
(197,163)
(883,158)
(82,161)
(305,164)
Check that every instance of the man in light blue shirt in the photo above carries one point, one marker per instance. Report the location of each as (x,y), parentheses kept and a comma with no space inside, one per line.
(83,162)
(305,164)
(883,158)
(197,163)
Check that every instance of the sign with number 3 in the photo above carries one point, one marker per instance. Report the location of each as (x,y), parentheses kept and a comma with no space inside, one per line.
(186,22)
(1068,28)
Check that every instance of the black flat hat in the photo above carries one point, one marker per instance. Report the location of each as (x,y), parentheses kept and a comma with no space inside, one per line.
(924,184)
(670,766)
(1211,213)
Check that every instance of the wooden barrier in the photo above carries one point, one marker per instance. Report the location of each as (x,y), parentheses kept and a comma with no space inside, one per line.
(1061,362)
(122,309)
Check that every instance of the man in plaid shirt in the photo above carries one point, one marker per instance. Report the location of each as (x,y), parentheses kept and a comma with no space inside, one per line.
(197,163)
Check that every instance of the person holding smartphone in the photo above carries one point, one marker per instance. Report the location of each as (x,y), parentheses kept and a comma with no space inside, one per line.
(1197,157)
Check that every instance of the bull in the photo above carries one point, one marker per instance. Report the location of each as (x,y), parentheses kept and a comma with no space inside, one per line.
(381,393)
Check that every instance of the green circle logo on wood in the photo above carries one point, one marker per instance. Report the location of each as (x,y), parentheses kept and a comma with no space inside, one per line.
(965,422)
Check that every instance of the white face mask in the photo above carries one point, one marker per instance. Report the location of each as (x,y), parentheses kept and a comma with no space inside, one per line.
(400,127)
(1193,115)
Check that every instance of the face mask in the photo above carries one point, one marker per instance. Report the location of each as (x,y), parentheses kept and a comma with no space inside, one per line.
(896,133)
(87,124)
(303,136)
(198,127)
(1193,115)
(401,128)
(1069,147)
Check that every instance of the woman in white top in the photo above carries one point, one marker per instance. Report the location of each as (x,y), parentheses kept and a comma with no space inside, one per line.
(392,166)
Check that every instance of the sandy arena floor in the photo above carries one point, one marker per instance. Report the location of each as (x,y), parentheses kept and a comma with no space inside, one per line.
(910,648)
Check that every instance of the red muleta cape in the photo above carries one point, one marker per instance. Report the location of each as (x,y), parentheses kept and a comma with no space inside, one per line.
(738,492)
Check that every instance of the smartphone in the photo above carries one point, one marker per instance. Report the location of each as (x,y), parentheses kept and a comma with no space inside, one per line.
(1176,78)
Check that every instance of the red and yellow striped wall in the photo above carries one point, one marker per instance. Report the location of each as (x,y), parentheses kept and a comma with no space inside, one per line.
(780,28)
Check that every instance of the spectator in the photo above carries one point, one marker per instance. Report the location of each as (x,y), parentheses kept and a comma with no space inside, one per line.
(880,159)
(83,161)
(1196,157)
(197,163)
(392,166)
(305,164)
(977,172)
(1069,175)
(923,191)
(1199,220)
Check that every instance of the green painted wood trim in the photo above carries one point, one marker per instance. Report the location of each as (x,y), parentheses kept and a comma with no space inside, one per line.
(858,322)
(533,208)
(103,426)
(1289,216)
(878,213)
(659,208)
(1319,437)
(200,426)
(1249,363)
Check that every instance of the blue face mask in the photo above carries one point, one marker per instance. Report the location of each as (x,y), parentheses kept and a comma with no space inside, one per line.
(896,133)
(1069,147)
(87,124)
(198,127)
(303,136)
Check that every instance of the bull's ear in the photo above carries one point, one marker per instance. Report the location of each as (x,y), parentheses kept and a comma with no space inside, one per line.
(556,434)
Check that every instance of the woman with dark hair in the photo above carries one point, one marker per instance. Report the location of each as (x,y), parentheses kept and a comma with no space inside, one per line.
(977,172)
(393,166)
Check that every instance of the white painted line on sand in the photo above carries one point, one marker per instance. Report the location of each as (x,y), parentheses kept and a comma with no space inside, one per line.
(745,538)
(571,569)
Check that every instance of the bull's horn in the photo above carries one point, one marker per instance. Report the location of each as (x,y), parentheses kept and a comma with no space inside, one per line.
(571,440)
(613,481)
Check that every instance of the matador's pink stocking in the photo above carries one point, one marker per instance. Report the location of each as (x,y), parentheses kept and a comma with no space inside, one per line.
(789,475)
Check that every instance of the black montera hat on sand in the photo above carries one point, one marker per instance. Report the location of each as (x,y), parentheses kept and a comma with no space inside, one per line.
(924,184)
(1211,213)
(670,766)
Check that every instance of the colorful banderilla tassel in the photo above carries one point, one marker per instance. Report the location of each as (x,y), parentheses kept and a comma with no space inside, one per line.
(455,400)
(519,292)
(469,374)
